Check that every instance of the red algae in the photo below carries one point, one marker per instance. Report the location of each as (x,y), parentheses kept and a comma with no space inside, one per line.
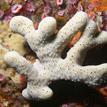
(29,6)
(16,8)
(59,2)
(104,20)
(2,79)
(1,14)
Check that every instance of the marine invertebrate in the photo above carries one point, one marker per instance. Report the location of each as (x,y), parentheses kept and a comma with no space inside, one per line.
(59,2)
(50,66)
(71,7)
(16,8)
(47,9)
(11,41)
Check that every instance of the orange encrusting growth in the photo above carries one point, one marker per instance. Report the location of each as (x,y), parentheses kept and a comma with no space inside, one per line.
(101,8)
(92,15)
(100,5)
(103,91)
(75,39)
